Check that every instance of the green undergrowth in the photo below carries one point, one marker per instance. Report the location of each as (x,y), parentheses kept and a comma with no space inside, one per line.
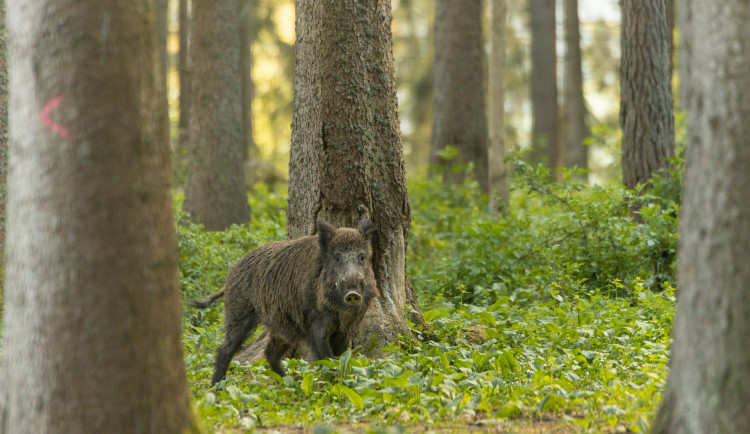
(560,310)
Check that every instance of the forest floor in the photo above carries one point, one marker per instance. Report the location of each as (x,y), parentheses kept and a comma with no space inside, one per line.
(554,426)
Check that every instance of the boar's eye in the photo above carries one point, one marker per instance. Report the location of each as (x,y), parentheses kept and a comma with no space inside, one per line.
(337,257)
(362,257)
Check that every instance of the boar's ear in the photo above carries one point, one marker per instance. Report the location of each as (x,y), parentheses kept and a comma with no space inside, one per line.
(325,234)
(366,228)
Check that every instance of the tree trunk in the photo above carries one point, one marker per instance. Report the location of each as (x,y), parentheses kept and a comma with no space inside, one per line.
(458,112)
(576,131)
(708,389)
(646,103)
(162,30)
(184,70)
(91,338)
(346,158)
(496,82)
(671,25)
(3,138)
(215,193)
(247,36)
(544,105)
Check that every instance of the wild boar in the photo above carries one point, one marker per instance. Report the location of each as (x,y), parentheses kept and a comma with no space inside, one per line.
(314,289)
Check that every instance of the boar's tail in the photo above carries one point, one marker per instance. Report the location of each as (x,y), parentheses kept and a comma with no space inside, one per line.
(206,301)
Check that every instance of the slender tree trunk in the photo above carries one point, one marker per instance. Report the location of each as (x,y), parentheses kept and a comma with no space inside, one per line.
(646,103)
(458,111)
(671,25)
(247,35)
(91,334)
(3,138)
(215,193)
(496,83)
(708,389)
(545,127)
(184,69)
(346,158)
(180,149)
(162,30)
(576,131)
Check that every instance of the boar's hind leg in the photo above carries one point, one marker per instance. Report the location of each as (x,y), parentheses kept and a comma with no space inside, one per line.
(235,332)
(275,350)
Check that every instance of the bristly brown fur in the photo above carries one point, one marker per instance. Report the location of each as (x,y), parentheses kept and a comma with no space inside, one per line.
(296,289)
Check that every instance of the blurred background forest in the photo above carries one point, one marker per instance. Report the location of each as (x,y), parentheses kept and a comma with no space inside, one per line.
(270,28)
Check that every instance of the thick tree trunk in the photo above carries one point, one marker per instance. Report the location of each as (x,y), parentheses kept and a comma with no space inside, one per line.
(458,110)
(91,338)
(708,389)
(575,153)
(215,193)
(545,128)
(498,178)
(646,103)
(346,158)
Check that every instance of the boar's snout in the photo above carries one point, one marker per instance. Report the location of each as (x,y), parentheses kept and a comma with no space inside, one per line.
(352,289)
(353,298)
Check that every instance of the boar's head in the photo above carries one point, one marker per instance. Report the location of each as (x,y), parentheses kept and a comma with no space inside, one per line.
(346,257)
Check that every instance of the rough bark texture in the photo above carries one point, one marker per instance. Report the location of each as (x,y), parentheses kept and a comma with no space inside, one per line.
(458,112)
(91,337)
(3,137)
(545,126)
(575,153)
(346,158)
(498,173)
(215,193)
(708,389)
(646,103)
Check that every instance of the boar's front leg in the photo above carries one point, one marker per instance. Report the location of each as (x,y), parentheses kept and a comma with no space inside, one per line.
(339,343)
(319,338)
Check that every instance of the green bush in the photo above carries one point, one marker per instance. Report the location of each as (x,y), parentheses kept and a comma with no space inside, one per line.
(565,236)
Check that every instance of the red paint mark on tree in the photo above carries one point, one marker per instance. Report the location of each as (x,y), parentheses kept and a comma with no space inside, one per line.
(49,123)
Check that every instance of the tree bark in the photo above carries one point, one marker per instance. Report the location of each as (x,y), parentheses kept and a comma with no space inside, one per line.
(646,103)
(708,389)
(247,36)
(162,30)
(576,130)
(3,138)
(215,193)
(671,25)
(346,158)
(545,140)
(91,337)
(498,174)
(458,111)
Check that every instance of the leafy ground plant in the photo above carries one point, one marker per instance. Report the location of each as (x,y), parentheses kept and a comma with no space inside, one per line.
(556,313)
